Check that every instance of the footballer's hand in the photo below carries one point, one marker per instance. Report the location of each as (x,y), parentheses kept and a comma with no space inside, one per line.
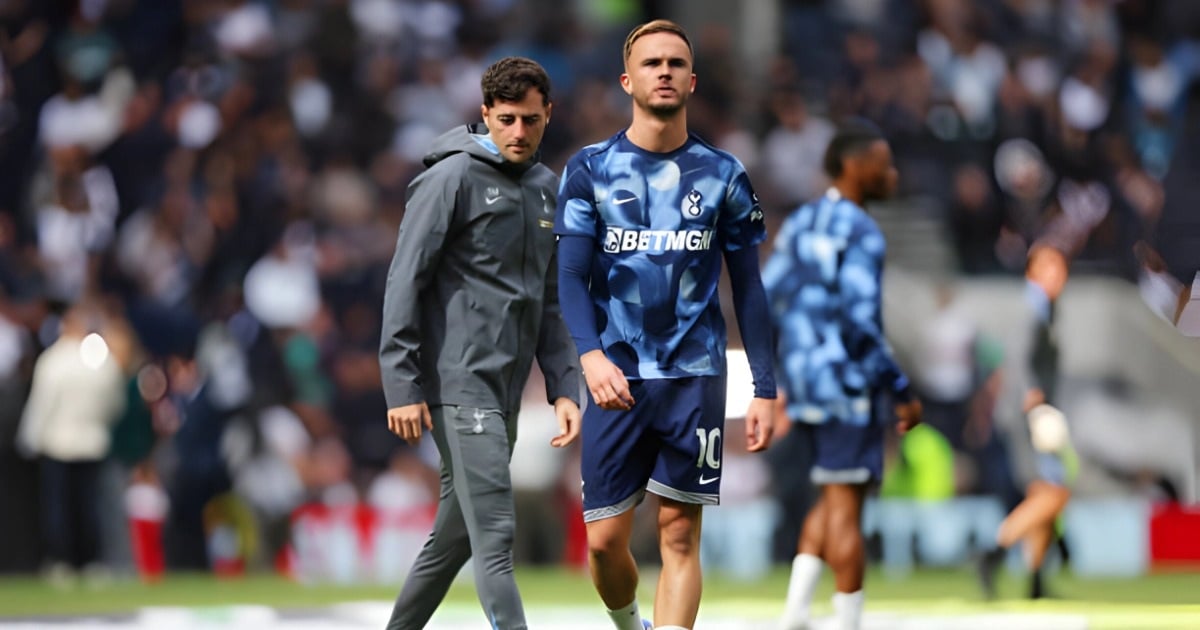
(408,420)
(606,381)
(569,422)
(908,415)
(760,424)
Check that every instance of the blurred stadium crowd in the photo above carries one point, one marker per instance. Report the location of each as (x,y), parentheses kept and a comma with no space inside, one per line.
(214,187)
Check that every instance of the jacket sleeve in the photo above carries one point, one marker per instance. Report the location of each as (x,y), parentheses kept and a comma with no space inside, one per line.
(428,215)
(556,354)
(860,282)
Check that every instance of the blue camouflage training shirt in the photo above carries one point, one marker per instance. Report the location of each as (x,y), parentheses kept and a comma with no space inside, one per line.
(660,222)
(823,282)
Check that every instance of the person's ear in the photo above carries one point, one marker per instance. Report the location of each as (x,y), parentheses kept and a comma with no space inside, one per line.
(850,166)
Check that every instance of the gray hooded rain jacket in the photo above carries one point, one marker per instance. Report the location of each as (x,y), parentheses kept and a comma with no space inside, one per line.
(472,293)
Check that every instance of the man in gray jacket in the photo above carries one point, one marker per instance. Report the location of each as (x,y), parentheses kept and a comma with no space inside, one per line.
(472,298)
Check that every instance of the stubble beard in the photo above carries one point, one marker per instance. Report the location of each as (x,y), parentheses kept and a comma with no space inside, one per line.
(662,111)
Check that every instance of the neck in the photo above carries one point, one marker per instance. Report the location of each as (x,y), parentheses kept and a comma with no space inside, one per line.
(656,134)
(849,191)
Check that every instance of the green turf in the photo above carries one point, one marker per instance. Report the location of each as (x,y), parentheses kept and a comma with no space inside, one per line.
(951,592)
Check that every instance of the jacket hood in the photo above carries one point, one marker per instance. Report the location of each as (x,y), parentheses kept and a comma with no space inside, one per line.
(473,140)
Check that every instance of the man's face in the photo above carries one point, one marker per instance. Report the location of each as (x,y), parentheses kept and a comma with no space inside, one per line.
(517,127)
(658,74)
(876,172)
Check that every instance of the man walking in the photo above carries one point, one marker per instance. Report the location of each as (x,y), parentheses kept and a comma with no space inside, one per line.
(824,280)
(644,219)
(471,299)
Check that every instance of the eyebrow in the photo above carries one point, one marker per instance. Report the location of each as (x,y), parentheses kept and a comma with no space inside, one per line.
(669,59)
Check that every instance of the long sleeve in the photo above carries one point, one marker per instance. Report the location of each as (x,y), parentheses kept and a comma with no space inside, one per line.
(754,320)
(556,353)
(429,212)
(574,264)
(575,225)
(860,282)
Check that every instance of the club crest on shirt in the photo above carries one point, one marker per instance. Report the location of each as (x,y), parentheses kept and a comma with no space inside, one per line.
(612,241)
(691,205)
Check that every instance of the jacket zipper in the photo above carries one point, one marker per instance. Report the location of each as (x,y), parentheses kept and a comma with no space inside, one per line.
(524,278)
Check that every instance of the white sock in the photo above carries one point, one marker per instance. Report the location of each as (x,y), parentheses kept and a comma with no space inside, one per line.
(847,609)
(806,571)
(628,617)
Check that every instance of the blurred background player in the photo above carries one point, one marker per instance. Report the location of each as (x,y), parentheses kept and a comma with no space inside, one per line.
(471,300)
(824,283)
(644,219)
(1033,521)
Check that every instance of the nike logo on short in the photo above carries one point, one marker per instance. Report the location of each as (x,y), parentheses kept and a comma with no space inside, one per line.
(705,482)
(491,200)
(546,224)
(619,202)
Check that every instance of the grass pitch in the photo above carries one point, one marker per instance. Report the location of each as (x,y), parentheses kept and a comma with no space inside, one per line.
(926,598)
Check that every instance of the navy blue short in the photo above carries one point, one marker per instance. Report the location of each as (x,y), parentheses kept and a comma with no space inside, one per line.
(669,443)
(844,452)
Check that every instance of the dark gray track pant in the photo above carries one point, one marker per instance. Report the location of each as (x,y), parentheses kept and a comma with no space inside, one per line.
(475,517)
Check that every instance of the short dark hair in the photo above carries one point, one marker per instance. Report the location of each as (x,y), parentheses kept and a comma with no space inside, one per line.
(511,77)
(656,26)
(852,138)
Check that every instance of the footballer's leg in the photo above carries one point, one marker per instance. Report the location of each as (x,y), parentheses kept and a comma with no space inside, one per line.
(812,536)
(689,423)
(1051,498)
(616,462)
(807,564)
(677,599)
(1035,543)
(1043,503)
(844,544)
(849,460)
(844,550)
(836,539)
(614,571)
(1032,521)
